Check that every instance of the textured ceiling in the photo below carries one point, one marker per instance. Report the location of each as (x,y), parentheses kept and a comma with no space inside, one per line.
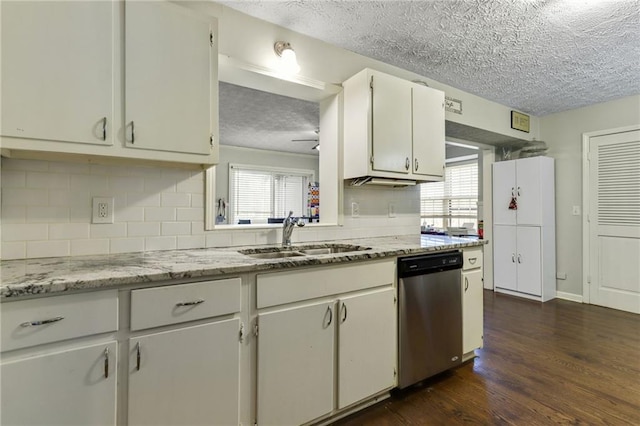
(256,119)
(537,56)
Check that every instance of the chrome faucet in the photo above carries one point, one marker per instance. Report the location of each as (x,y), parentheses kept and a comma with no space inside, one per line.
(287,229)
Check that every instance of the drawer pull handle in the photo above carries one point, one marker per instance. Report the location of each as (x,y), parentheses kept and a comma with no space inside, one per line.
(192,303)
(472,260)
(106,363)
(466,284)
(330,315)
(519,259)
(138,356)
(43,322)
(344,312)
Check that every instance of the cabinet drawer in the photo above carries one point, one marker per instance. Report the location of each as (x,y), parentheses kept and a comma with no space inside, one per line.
(287,287)
(158,306)
(472,258)
(34,322)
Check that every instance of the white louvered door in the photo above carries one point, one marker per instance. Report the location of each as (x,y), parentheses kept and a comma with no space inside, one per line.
(614,221)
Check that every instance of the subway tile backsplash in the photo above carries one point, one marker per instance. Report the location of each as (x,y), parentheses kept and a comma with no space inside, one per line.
(46,211)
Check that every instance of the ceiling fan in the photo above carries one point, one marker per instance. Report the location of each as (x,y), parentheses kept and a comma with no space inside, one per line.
(316,147)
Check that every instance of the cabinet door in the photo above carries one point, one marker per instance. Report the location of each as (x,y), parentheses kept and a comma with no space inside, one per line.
(391,124)
(529,260)
(168,79)
(428,131)
(504,257)
(62,388)
(528,189)
(366,345)
(188,376)
(472,320)
(296,364)
(504,187)
(57,70)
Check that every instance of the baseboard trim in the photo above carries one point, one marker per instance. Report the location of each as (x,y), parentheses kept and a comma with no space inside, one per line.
(569,296)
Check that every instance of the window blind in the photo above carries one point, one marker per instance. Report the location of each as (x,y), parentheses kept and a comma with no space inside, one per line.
(257,193)
(454,201)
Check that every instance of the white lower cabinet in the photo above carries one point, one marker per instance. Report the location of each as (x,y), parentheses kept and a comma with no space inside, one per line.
(366,345)
(187,376)
(297,352)
(323,351)
(190,374)
(517,258)
(472,301)
(58,361)
(75,386)
(296,364)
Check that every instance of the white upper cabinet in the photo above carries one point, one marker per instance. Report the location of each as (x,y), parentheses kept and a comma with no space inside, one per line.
(57,71)
(131,79)
(529,182)
(393,128)
(170,65)
(391,124)
(428,132)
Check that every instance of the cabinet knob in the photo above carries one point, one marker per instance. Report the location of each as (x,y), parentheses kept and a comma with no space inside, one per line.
(106,363)
(133,132)
(138,356)
(104,128)
(330,312)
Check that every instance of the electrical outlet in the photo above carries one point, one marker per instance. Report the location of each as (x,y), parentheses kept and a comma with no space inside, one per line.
(102,211)
(355,209)
(392,210)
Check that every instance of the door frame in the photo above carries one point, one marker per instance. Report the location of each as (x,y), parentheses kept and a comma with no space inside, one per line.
(586,191)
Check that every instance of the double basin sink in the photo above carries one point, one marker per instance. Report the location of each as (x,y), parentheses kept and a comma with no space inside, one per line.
(298,251)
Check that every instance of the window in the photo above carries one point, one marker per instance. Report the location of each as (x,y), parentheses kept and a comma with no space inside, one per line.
(257,193)
(453,202)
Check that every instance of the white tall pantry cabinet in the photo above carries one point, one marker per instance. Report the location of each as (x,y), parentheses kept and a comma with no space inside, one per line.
(524,228)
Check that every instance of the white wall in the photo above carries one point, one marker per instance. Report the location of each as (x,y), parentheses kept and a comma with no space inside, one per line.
(563,134)
(46,211)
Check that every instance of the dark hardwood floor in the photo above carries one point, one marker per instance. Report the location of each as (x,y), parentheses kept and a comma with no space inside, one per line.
(554,363)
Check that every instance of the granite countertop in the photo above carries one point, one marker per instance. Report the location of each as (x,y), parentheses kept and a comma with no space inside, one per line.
(66,274)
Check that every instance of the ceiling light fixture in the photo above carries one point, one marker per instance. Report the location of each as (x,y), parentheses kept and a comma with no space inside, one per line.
(288,62)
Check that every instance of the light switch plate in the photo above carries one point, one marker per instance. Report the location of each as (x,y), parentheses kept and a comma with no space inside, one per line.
(102,211)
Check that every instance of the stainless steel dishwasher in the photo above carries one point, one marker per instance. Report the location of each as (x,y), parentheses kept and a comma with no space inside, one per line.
(430,315)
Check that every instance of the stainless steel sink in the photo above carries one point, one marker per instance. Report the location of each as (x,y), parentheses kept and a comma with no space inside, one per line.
(297,251)
(331,249)
(273,254)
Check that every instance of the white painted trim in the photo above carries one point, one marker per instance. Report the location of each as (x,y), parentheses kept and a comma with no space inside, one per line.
(569,296)
(586,185)
(586,243)
(488,158)
(209,198)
